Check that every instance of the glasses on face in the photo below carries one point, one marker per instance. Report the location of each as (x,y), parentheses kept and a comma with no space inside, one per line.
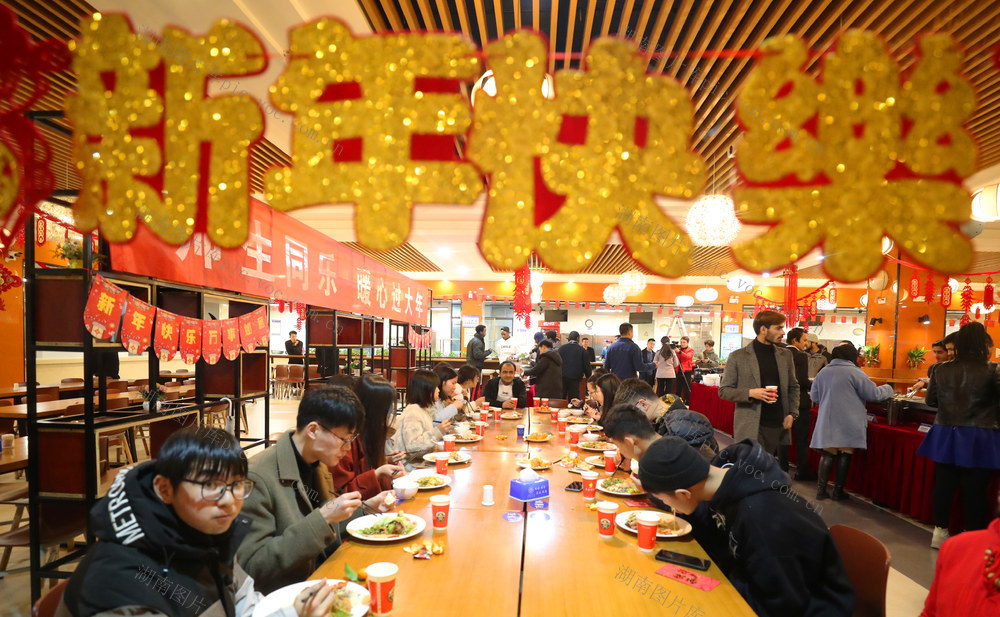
(215,490)
(345,442)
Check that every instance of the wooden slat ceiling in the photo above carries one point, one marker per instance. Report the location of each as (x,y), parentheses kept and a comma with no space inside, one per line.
(404,258)
(614,259)
(982,261)
(61,20)
(687,28)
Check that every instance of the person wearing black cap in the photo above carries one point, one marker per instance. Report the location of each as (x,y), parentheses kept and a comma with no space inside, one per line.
(575,365)
(766,539)
(505,346)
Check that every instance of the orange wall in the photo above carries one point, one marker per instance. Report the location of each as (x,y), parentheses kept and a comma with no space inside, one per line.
(12,330)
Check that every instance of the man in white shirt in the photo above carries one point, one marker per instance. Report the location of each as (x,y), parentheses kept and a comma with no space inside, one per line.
(505,346)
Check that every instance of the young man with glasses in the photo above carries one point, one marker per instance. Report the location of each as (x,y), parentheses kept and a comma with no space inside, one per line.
(168,532)
(296,517)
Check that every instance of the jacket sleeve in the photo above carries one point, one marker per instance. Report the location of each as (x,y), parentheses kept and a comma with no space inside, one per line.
(416,438)
(794,390)
(520,393)
(931,398)
(348,477)
(867,389)
(266,549)
(491,391)
(585,359)
(638,365)
(478,350)
(538,368)
(728,390)
(442,412)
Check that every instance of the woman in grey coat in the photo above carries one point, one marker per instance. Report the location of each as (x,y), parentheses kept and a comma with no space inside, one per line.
(840,391)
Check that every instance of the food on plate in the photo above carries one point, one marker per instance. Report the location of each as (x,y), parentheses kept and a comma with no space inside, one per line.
(598,445)
(389,527)
(425,549)
(573,460)
(538,436)
(427,481)
(578,420)
(537,461)
(344,600)
(510,415)
(469,436)
(455,456)
(667,525)
(624,486)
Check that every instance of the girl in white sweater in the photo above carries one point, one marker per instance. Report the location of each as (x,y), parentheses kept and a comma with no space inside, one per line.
(416,433)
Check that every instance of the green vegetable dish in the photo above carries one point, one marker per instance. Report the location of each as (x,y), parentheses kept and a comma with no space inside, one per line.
(343,602)
(392,526)
(623,486)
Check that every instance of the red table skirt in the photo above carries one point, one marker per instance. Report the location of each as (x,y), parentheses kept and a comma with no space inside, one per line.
(889,472)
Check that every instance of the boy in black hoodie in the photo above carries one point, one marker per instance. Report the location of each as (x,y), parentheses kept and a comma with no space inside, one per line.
(775,550)
(168,531)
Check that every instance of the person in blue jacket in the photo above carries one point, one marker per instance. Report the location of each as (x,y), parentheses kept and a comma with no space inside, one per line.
(624,358)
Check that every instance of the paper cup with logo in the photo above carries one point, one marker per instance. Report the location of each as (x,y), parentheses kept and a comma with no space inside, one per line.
(484,415)
(554,414)
(545,403)
(496,413)
(609,461)
(520,431)
(646,523)
(561,425)
(480,428)
(382,586)
(441,465)
(606,511)
(589,485)
(449,443)
(574,433)
(440,505)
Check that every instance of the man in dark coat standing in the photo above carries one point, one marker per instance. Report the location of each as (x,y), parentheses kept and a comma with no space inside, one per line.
(475,351)
(624,358)
(547,371)
(575,365)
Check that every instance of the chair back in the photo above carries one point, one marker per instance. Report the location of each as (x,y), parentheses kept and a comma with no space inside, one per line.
(867,562)
(172,395)
(6,402)
(72,381)
(189,382)
(296,372)
(281,371)
(74,409)
(49,393)
(23,384)
(47,604)
(117,403)
(558,402)
(140,383)
(314,372)
(118,385)
(182,371)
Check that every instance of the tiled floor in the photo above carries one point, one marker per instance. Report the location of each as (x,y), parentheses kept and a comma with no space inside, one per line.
(908,541)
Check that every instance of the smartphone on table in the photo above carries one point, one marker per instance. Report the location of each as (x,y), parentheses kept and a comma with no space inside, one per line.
(685,561)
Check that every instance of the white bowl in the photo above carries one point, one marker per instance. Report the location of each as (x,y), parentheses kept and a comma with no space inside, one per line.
(576,412)
(405,489)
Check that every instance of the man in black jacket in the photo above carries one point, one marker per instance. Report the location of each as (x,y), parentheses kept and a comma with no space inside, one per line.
(506,389)
(575,366)
(168,532)
(293,347)
(768,541)
(802,425)
(475,351)
(591,354)
(547,371)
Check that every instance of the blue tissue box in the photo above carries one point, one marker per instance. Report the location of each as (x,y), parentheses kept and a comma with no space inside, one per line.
(529,491)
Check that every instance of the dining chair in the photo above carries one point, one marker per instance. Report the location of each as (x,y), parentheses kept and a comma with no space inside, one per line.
(72,381)
(23,384)
(280,381)
(867,562)
(48,393)
(296,378)
(47,604)
(140,383)
(118,385)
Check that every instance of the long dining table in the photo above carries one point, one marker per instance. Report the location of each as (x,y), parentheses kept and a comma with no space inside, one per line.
(534,559)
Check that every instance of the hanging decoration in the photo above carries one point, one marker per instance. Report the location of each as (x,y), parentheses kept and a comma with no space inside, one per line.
(137,327)
(791,276)
(988,293)
(166,335)
(914,286)
(103,313)
(8,281)
(300,321)
(844,168)
(946,296)
(632,283)
(211,337)
(522,295)
(25,156)
(230,338)
(929,289)
(831,295)
(966,301)
(190,340)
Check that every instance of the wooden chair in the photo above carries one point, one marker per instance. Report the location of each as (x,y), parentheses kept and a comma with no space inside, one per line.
(215,416)
(140,383)
(64,529)
(7,425)
(23,384)
(558,402)
(118,385)
(72,381)
(47,605)
(296,379)
(867,562)
(190,382)
(280,381)
(50,393)
(13,494)
(172,395)
(314,372)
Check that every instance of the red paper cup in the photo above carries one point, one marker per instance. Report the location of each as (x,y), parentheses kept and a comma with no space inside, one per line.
(480,428)
(646,523)
(574,434)
(609,461)
(484,415)
(440,504)
(441,465)
(554,414)
(496,413)
(449,443)
(382,587)
(561,424)
(589,485)
(606,511)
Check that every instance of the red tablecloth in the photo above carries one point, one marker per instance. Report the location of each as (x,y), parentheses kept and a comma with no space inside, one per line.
(889,472)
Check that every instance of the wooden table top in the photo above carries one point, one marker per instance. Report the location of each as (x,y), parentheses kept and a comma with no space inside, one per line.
(15,458)
(47,409)
(535,563)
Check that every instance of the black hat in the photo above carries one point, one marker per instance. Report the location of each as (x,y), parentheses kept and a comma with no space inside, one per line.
(670,464)
(505,329)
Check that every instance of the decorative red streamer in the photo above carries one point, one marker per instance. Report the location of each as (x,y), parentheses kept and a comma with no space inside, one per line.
(522,295)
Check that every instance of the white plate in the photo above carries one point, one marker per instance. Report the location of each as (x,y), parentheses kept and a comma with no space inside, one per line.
(685,527)
(579,420)
(510,415)
(280,598)
(474,439)
(358,524)
(539,440)
(446,479)
(432,457)
(596,461)
(612,447)
(523,462)
(595,427)
(579,470)
(600,487)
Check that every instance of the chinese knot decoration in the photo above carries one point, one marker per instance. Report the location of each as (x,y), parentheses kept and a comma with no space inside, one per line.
(25,175)
(379,121)
(893,154)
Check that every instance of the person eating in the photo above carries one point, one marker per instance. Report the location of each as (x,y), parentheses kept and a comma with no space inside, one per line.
(417,433)
(506,390)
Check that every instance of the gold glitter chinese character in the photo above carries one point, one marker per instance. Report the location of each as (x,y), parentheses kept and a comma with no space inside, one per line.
(891,161)
(374,102)
(625,145)
(116,117)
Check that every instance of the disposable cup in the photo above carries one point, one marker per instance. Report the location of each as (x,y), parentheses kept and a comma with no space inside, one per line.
(441,465)
(574,433)
(7,442)
(440,504)
(606,511)
(480,428)
(589,485)
(561,424)
(487,494)
(449,443)
(609,461)
(484,415)
(646,523)
(520,431)
(382,587)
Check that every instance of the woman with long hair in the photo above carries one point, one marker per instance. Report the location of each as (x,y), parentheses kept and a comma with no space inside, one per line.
(667,365)
(685,354)
(964,442)
(604,395)
(366,468)
(450,401)
(417,434)
(841,391)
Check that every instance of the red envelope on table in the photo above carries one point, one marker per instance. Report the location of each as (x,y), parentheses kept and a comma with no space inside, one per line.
(137,327)
(211,340)
(693,579)
(230,339)
(248,335)
(190,339)
(167,334)
(104,308)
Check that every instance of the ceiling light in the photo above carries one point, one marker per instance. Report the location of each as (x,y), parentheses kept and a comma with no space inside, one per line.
(984,204)
(706,294)
(613,294)
(632,282)
(766,274)
(683,301)
(864,300)
(712,221)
